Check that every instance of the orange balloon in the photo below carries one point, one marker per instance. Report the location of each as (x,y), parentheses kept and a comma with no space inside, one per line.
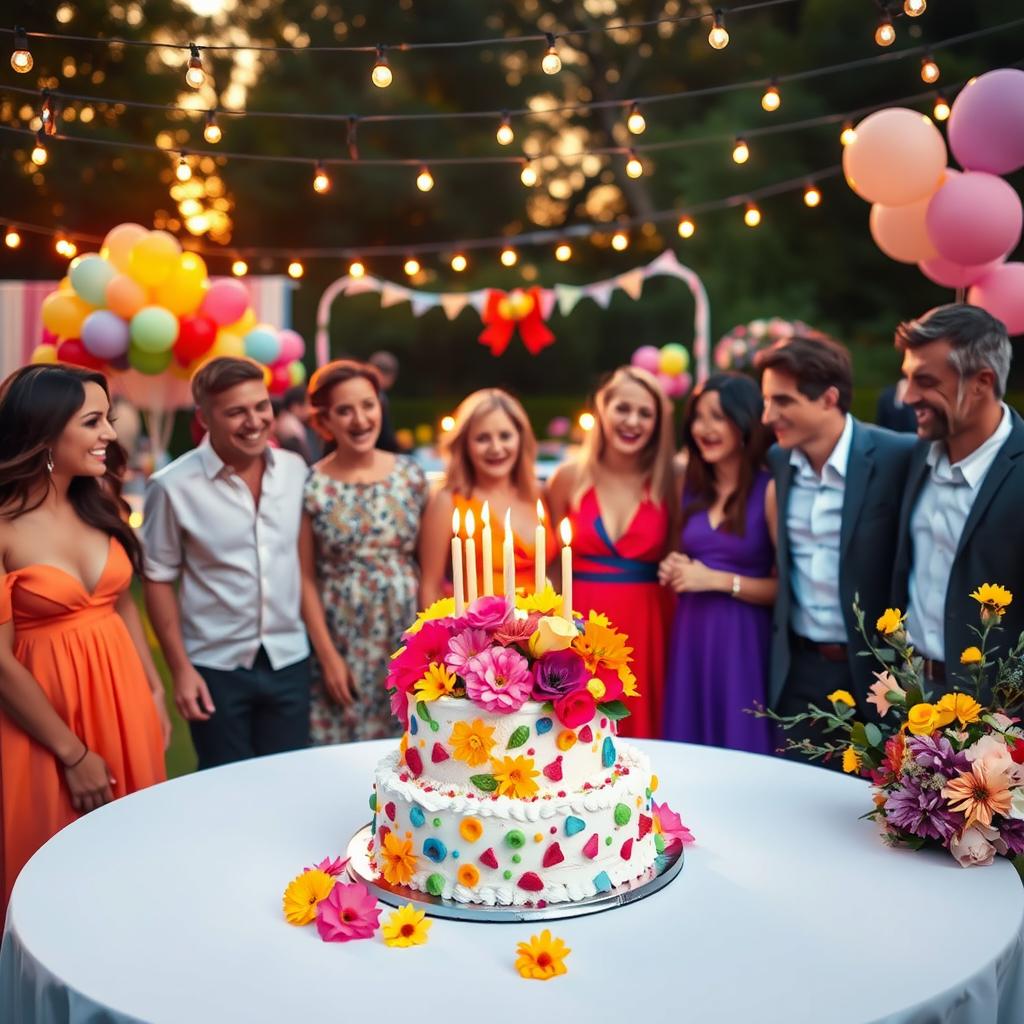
(125,296)
(117,246)
(44,354)
(900,232)
(63,313)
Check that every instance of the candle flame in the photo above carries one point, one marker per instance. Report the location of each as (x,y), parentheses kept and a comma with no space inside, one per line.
(540,512)
(455,523)
(470,523)
(485,514)
(565,531)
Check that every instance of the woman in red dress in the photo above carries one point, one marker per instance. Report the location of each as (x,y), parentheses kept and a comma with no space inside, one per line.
(620,498)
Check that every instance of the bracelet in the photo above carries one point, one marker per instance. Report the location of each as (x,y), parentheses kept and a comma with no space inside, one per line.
(735,586)
(85,750)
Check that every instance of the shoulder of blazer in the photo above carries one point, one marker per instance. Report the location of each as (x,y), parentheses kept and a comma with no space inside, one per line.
(1014,444)
(777,459)
(887,445)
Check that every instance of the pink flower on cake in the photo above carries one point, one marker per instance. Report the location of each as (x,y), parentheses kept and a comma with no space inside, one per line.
(517,631)
(329,866)
(671,826)
(499,680)
(429,645)
(350,912)
(974,847)
(488,613)
(575,709)
(465,645)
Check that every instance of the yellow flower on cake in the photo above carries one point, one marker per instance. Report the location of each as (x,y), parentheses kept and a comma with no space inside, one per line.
(553,633)
(970,656)
(841,697)
(961,706)
(542,958)
(471,742)
(599,617)
(442,608)
(851,760)
(304,893)
(993,597)
(601,646)
(515,776)
(890,622)
(628,680)
(407,926)
(923,719)
(438,681)
(547,602)
(398,862)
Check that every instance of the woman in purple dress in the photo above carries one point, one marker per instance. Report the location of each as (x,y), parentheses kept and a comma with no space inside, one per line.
(723,572)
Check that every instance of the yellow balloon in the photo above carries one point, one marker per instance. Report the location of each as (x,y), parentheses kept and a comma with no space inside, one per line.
(227,343)
(154,258)
(120,241)
(245,323)
(63,313)
(44,354)
(65,285)
(184,289)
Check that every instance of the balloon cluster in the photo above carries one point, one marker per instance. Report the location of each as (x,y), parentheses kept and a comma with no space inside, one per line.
(670,364)
(957,226)
(141,303)
(737,349)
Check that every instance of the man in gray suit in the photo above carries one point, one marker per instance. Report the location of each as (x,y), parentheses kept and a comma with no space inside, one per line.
(962,521)
(839,484)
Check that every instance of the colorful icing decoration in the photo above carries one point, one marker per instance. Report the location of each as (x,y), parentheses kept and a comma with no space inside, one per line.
(553,855)
(553,771)
(538,837)
(413,726)
(608,752)
(435,850)
(516,858)
(506,875)
(436,823)
(470,829)
(543,725)
(468,876)
(438,754)
(654,783)
(518,737)
(590,847)
(373,801)
(574,825)
(381,833)
(607,840)
(488,859)
(515,838)
(627,849)
(566,739)
(622,814)
(435,884)
(659,842)
(644,826)
(602,883)
(586,735)
(389,810)
(531,882)
(414,761)
(488,783)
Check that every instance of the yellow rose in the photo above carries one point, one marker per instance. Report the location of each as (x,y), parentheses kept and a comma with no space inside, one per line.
(889,621)
(553,633)
(596,688)
(961,706)
(922,719)
(851,760)
(970,656)
(841,697)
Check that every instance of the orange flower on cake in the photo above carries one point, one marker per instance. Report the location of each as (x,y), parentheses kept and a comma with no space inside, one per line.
(472,742)
(398,862)
(542,958)
(304,893)
(436,682)
(601,646)
(515,777)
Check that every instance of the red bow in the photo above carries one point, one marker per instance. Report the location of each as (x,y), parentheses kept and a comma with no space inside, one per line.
(504,310)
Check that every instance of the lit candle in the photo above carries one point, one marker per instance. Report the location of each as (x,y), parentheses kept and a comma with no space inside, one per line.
(508,560)
(566,531)
(460,602)
(471,591)
(539,544)
(486,551)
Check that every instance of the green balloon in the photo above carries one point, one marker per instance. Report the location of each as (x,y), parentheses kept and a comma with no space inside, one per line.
(154,329)
(149,362)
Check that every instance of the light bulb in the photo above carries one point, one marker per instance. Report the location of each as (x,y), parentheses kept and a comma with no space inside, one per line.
(812,196)
(509,257)
(424,180)
(59,245)
(551,63)
(412,266)
(941,109)
(459,263)
(563,252)
(381,75)
(633,166)
(771,100)
(321,181)
(586,421)
(211,132)
(740,152)
(752,215)
(39,154)
(182,172)
(21,58)
(528,176)
(296,269)
(620,241)
(686,228)
(356,269)
(929,70)
(885,34)
(239,268)
(718,37)
(194,75)
(70,249)
(505,135)
(447,423)
(12,239)
(635,122)
(914,8)
(848,134)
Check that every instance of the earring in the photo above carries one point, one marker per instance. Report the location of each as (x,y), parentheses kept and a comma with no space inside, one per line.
(49,460)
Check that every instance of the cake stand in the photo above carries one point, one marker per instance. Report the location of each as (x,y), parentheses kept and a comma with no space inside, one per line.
(654,879)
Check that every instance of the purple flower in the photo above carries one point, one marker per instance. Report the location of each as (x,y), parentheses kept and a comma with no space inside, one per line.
(465,645)
(1011,837)
(499,680)
(488,612)
(922,812)
(558,673)
(938,755)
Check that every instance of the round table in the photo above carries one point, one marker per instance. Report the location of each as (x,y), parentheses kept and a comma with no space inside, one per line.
(166,906)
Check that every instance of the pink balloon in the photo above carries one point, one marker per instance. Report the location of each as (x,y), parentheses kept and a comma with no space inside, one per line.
(953,275)
(974,218)
(646,357)
(897,157)
(1001,292)
(668,384)
(986,123)
(292,345)
(900,232)
(224,302)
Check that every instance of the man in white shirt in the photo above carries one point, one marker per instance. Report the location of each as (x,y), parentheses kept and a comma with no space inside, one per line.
(963,512)
(838,483)
(224,520)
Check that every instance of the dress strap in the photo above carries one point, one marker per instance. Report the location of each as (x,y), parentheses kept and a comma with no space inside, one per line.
(6,604)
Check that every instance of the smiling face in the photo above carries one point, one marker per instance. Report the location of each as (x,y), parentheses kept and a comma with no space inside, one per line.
(493,444)
(796,419)
(353,417)
(716,436)
(629,419)
(81,449)
(239,420)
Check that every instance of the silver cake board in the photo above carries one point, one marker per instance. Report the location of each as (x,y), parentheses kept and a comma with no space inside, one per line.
(653,880)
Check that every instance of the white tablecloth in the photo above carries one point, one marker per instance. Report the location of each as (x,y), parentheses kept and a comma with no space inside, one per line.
(166,906)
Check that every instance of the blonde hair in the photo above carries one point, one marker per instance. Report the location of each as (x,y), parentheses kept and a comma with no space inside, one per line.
(460,477)
(655,459)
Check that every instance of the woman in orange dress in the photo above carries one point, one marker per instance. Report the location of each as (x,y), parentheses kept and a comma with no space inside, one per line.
(491,454)
(620,498)
(82,715)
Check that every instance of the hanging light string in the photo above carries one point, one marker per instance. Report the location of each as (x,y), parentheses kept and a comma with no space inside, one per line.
(754,85)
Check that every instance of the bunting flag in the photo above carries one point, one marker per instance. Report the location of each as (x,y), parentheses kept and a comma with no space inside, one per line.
(499,326)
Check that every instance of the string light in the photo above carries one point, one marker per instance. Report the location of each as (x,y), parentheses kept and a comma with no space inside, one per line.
(48,115)
(183,172)
(941,109)
(194,72)
(65,247)
(848,134)
(885,34)
(718,37)
(509,257)
(321,180)
(551,63)
(39,154)
(296,269)
(620,241)
(447,423)
(21,58)
(740,151)
(751,215)
(563,252)
(381,74)
(459,263)
(686,227)
(356,269)
(528,176)
(635,121)
(412,266)
(12,239)
(634,168)
(914,8)
(771,100)
(424,180)
(812,196)
(929,70)
(586,421)
(211,131)
(505,135)
(239,268)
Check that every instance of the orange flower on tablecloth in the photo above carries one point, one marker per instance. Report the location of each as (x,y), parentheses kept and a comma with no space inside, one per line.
(398,862)
(407,926)
(542,958)
(600,646)
(472,742)
(979,793)
(515,777)
(304,893)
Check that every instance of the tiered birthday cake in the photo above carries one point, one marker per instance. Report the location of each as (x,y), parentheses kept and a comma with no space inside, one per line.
(510,785)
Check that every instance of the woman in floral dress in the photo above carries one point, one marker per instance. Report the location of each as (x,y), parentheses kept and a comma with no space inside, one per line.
(357,547)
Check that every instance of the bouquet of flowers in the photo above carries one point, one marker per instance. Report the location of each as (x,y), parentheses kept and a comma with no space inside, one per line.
(946,769)
(500,656)
(738,349)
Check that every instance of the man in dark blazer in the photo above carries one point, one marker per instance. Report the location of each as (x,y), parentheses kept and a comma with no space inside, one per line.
(962,521)
(838,484)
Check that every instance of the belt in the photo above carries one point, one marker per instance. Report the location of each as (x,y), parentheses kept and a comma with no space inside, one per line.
(828,651)
(934,671)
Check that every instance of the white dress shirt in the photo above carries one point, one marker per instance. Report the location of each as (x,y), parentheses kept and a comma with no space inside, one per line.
(239,564)
(938,519)
(814,517)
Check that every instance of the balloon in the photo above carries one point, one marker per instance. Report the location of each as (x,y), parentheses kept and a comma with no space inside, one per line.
(899,231)
(49,338)
(63,313)
(280,380)
(245,323)
(196,335)
(296,373)
(227,343)
(153,258)
(119,243)
(953,275)
(44,353)
(261,344)
(1001,292)
(89,276)
(986,123)
(105,335)
(73,351)
(667,383)
(150,363)
(685,383)
(154,329)
(974,218)
(897,157)
(646,357)
(125,296)
(292,346)
(183,290)
(672,360)
(225,302)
